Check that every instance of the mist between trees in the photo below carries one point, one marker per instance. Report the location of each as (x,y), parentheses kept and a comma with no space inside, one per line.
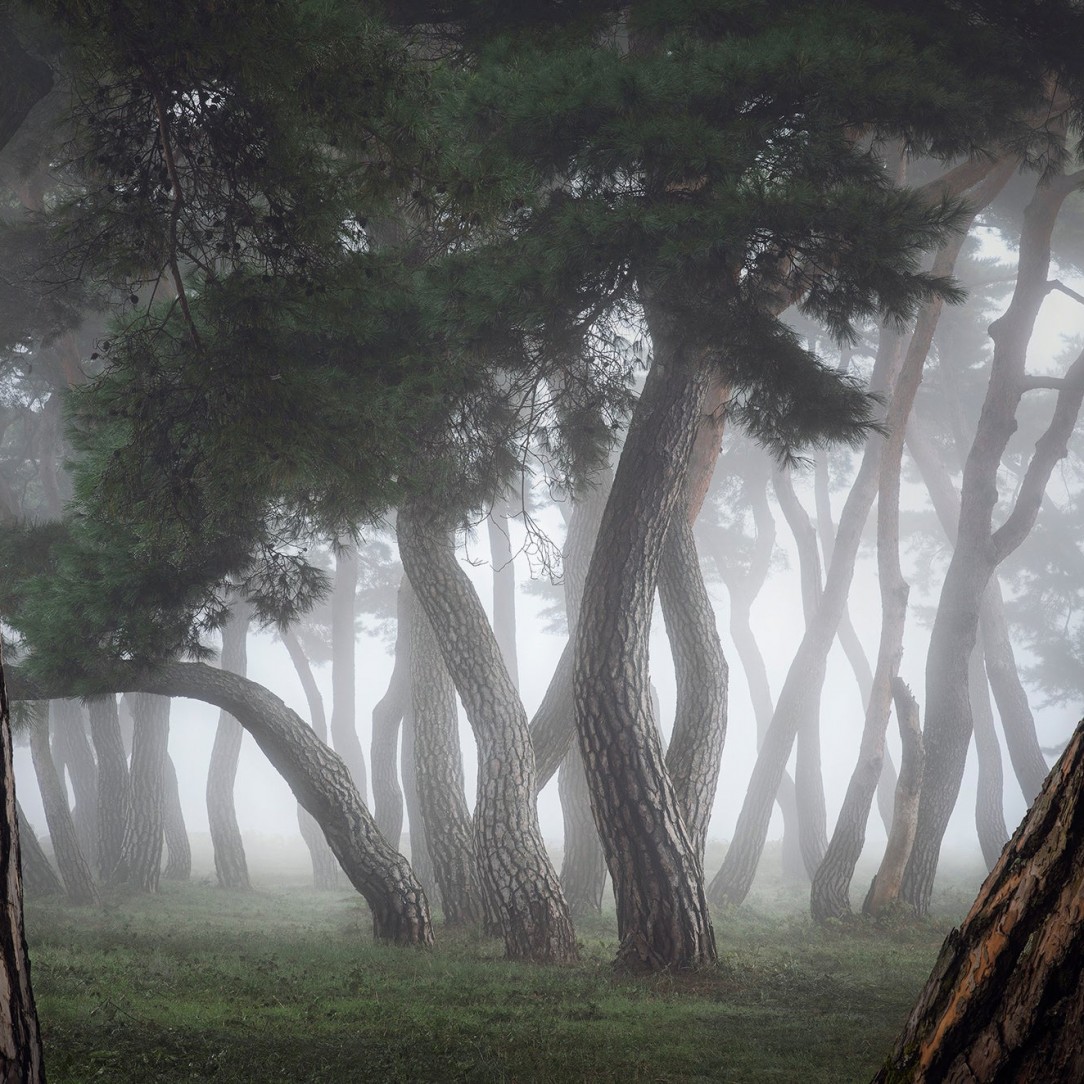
(751,332)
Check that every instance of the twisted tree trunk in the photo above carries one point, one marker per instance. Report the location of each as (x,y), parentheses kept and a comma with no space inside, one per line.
(114,786)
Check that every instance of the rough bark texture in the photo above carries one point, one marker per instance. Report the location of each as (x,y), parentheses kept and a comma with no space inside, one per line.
(552,726)
(344,734)
(420,859)
(114,786)
(70,860)
(325,868)
(990,794)
(231,866)
(885,889)
(1005,1001)
(518,880)
(39,877)
(980,548)
(141,854)
(438,766)
(178,865)
(20,1041)
(71,748)
(504,585)
(662,911)
(387,715)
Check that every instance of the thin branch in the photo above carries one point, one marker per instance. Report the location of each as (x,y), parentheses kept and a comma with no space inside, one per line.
(1057,284)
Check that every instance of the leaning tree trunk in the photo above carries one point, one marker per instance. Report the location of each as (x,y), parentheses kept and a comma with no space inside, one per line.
(662,911)
(231,865)
(1005,1001)
(114,786)
(990,795)
(325,868)
(344,734)
(78,880)
(387,715)
(20,1041)
(979,547)
(39,877)
(518,880)
(141,855)
(438,767)
(178,865)
(71,747)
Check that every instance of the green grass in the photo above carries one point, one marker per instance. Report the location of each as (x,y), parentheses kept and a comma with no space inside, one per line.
(285,984)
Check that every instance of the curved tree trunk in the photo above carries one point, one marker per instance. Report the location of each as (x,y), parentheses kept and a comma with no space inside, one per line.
(518,880)
(39,877)
(114,786)
(990,796)
(70,860)
(387,715)
(344,734)
(1005,1001)
(231,865)
(20,1040)
(438,767)
(72,749)
(325,869)
(178,865)
(979,548)
(141,855)
(662,912)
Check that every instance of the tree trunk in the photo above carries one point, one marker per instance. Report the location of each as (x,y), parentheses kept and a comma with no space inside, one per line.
(885,889)
(420,860)
(72,749)
(114,786)
(344,734)
(662,912)
(39,877)
(20,1041)
(178,865)
(70,860)
(387,715)
(979,548)
(1005,1001)
(504,585)
(990,796)
(438,766)
(141,854)
(325,868)
(231,865)
(518,880)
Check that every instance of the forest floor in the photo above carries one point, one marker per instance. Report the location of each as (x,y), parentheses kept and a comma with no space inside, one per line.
(285,984)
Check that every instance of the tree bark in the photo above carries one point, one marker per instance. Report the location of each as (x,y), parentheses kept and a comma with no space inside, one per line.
(420,860)
(518,880)
(662,911)
(114,786)
(979,548)
(1005,1001)
(438,766)
(231,865)
(344,734)
(72,749)
(504,585)
(39,877)
(387,715)
(178,865)
(141,853)
(20,1040)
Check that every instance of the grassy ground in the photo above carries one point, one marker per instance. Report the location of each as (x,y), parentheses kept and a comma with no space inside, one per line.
(285,984)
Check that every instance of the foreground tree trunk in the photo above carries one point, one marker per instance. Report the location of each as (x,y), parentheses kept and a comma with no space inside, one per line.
(231,865)
(114,786)
(518,880)
(1005,1001)
(20,1041)
(662,911)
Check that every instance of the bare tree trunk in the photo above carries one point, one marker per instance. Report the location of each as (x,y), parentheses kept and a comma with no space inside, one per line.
(70,860)
(1005,1001)
(141,853)
(504,585)
(72,749)
(178,865)
(114,786)
(20,1041)
(231,865)
(438,765)
(885,889)
(344,734)
(39,877)
(420,859)
(662,912)
(990,796)
(518,880)
(325,868)
(387,715)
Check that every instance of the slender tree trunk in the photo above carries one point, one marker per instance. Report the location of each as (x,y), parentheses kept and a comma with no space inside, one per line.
(231,865)
(114,786)
(178,865)
(70,860)
(979,548)
(438,765)
(504,585)
(662,912)
(518,880)
(1005,1001)
(885,889)
(387,715)
(141,853)
(344,734)
(72,749)
(325,868)
(420,859)
(39,877)
(990,796)
(20,1041)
